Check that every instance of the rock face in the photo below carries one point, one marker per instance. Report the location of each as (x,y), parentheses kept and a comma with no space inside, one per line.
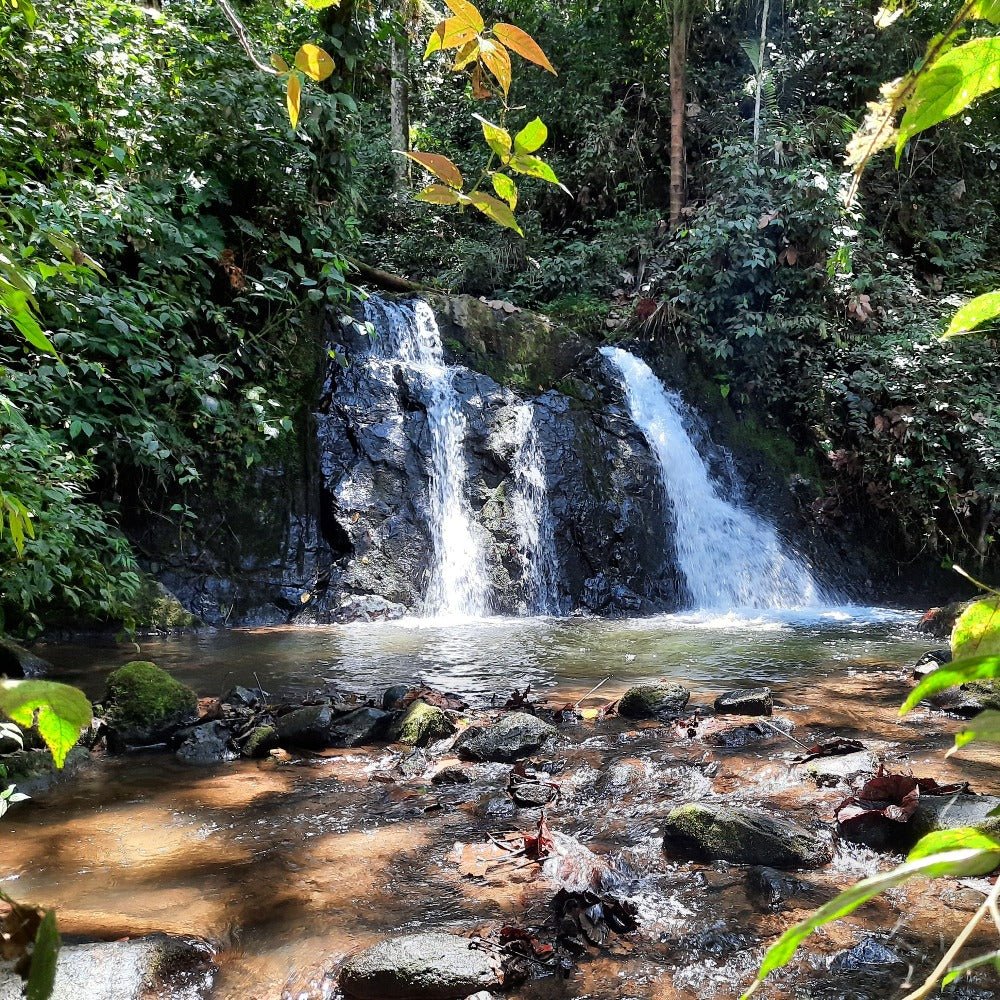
(647,701)
(156,966)
(144,704)
(708,832)
(746,701)
(514,736)
(429,966)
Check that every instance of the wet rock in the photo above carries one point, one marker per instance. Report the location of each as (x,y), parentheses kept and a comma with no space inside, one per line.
(206,744)
(930,661)
(950,812)
(513,736)
(772,890)
(260,741)
(451,774)
(745,701)
(970,699)
(393,696)
(648,701)
(155,966)
(319,727)
(532,794)
(9,743)
(939,622)
(367,608)
(426,966)
(708,832)
(868,956)
(846,769)
(737,737)
(243,697)
(16,661)
(144,704)
(422,724)
(35,772)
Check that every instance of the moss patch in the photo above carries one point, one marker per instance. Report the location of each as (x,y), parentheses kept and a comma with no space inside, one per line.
(142,701)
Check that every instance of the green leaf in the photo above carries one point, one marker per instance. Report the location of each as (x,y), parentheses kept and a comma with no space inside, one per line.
(438,194)
(531,137)
(977,630)
(498,139)
(63,712)
(42,978)
(954,674)
(986,10)
(980,310)
(534,166)
(960,839)
(985,726)
(973,963)
(961,862)
(321,4)
(495,210)
(951,84)
(506,188)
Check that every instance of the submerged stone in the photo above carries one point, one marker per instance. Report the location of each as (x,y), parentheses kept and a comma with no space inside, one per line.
(427,966)
(647,701)
(736,737)
(422,724)
(144,704)
(512,737)
(845,769)
(713,832)
(745,701)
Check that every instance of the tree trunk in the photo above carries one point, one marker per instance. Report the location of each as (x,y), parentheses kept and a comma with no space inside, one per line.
(760,70)
(678,84)
(399,110)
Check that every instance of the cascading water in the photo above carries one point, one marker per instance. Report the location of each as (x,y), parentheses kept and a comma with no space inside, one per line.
(458,580)
(730,558)
(533,517)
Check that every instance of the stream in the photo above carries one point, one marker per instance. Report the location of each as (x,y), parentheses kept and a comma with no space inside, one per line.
(289,864)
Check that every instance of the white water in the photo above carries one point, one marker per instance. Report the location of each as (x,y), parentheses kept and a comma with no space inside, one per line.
(533,517)
(458,585)
(730,558)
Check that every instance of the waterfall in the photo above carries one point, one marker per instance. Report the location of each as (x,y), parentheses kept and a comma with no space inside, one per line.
(730,558)
(409,337)
(533,517)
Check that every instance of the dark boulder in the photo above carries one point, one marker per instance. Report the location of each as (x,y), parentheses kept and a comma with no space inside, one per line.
(512,737)
(18,662)
(208,743)
(648,701)
(320,727)
(745,701)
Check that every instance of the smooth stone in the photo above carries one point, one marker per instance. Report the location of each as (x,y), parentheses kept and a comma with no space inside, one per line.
(427,966)
(867,956)
(35,772)
(206,744)
(951,812)
(737,737)
(648,701)
(394,695)
(243,697)
(930,661)
(319,727)
(845,769)
(709,832)
(512,737)
(745,701)
(530,794)
(155,966)
(421,724)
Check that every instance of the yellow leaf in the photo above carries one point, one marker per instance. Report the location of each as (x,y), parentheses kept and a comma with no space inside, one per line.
(279,64)
(315,62)
(467,54)
(495,210)
(523,44)
(498,139)
(321,4)
(467,13)
(438,194)
(497,60)
(440,166)
(449,34)
(293,99)
(506,188)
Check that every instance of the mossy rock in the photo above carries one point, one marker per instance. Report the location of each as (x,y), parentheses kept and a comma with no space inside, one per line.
(143,704)
(422,724)
(647,701)
(261,741)
(156,609)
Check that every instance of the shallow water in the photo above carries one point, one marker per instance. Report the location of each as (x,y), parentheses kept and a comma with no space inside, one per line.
(290,866)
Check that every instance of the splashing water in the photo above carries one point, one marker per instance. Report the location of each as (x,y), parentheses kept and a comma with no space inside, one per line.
(730,558)
(533,517)
(458,584)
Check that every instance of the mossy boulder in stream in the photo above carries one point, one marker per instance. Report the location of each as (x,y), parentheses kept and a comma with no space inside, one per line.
(422,724)
(144,704)
(647,701)
(710,832)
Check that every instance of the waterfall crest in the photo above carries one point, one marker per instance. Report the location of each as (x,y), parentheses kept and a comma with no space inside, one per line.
(729,557)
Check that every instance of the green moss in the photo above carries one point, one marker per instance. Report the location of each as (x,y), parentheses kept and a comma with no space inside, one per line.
(142,699)
(422,724)
(156,608)
(260,742)
(750,435)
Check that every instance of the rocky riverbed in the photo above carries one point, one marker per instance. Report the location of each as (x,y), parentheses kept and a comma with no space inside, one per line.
(643,843)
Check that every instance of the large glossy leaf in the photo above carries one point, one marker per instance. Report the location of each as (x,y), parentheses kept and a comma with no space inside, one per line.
(467,14)
(977,630)
(986,10)
(523,44)
(495,210)
(963,838)
(440,166)
(982,309)
(62,712)
(293,98)
(954,674)
(955,80)
(449,34)
(315,62)
(498,139)
(506,188)
(985,726)
(497,60)
(969,861)
(531,137)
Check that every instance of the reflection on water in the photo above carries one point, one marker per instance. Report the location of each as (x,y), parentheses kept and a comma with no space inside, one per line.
(480,658)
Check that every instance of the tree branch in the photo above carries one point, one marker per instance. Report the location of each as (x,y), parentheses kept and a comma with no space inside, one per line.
(243,37)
